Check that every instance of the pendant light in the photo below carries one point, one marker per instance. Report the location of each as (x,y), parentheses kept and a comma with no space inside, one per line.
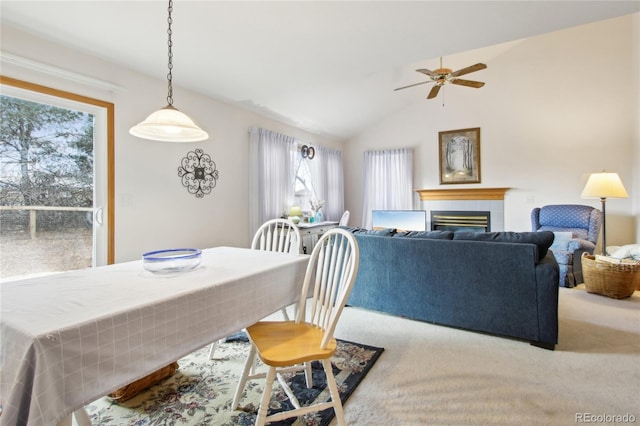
(169,124)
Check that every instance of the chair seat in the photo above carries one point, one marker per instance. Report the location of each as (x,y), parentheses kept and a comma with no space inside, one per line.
(285,343)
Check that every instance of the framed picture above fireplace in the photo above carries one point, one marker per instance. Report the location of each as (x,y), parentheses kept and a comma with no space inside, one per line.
(459,153)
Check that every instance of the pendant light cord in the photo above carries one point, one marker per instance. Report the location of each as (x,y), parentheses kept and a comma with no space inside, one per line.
(168,124)
(170,45)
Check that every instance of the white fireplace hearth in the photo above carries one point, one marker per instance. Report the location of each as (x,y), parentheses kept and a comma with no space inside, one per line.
(466,199)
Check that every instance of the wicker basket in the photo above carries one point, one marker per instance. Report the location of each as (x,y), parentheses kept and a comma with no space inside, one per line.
(617,280)
(140,385)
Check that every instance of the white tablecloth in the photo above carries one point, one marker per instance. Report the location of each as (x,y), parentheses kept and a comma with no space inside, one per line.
(68,339)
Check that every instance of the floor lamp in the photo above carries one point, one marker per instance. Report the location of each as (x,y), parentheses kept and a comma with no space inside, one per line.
(604,185)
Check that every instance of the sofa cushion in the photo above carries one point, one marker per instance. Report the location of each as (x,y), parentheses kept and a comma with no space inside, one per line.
(386,232)
(542,239)
(432,235)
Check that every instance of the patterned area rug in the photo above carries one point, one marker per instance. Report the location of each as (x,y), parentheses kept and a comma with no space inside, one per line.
(201,391)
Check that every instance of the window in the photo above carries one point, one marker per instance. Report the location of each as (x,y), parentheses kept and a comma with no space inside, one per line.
(303,184)
(388,182)
(59,177)
(280,178)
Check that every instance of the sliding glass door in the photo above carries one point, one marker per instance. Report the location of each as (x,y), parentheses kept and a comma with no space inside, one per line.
(56,180)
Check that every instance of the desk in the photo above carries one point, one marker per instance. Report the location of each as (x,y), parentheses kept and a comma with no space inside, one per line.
(310,232)
(70,338)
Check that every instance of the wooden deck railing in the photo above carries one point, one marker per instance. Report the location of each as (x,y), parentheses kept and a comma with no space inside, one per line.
(33,215)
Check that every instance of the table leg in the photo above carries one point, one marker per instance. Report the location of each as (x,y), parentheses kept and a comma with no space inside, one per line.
(66,421)
(81,419)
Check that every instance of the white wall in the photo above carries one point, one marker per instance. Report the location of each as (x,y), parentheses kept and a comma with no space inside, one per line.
(152,208)
(635,176)
(554,109)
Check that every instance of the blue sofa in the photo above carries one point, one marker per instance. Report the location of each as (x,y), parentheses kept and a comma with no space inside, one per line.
(503,283)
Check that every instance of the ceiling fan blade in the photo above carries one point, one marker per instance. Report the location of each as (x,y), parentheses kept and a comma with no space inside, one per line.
(411,85)
(426,72)
(467,70)
(468,83)
(434,92)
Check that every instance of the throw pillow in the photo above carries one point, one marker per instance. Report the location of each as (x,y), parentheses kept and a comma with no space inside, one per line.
(561,241)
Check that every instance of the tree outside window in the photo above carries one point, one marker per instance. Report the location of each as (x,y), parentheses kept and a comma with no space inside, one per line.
(303,184)
(46,160)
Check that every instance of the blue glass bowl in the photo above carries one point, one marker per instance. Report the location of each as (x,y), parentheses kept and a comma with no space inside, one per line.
(172,260)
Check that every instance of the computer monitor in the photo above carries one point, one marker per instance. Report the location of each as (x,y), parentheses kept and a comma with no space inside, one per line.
(402,220)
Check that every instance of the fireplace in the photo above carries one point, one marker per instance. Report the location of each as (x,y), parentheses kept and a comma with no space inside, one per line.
(467,201)
(465,221)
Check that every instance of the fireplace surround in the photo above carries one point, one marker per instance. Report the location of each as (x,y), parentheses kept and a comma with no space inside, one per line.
(466,200)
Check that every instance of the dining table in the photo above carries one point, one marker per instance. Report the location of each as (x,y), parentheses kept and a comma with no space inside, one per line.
(70,338)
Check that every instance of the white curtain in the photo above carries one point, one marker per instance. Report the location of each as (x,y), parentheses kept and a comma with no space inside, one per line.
(388,182)
(271,175)
(328,181)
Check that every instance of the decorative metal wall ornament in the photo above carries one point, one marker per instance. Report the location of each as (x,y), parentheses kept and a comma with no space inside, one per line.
(307,152)
(198,172)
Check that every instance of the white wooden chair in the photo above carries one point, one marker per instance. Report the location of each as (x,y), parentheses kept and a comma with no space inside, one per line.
(284,345)
(279,235)
(344,220)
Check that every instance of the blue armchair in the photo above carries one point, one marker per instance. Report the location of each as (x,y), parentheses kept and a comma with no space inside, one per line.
(576,229)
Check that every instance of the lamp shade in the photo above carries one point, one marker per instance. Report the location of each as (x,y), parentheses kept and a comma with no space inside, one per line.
(169,125)
(604,185)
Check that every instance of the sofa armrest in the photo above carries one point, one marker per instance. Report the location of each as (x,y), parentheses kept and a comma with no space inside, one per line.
(580,244)
(547,275)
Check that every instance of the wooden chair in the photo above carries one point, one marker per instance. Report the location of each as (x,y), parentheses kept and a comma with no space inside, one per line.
(344,220)
(279,235)
(284,345)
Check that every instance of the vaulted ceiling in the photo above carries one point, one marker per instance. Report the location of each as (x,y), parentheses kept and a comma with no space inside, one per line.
(328,67)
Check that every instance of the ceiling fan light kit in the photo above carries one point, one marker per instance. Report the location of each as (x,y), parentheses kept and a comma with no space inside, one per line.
(169,124)
(442,76)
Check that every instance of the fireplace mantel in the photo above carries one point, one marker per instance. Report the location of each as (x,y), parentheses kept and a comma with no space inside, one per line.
(462,194)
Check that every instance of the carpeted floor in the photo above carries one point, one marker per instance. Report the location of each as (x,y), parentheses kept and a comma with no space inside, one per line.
(201,391)
(435,375)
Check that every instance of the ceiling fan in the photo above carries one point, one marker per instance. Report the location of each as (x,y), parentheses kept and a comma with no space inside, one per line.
(442,76)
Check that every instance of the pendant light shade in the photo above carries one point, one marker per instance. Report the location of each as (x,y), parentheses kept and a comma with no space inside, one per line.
(169,124)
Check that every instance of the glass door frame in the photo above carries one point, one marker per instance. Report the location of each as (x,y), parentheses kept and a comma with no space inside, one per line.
(110,149)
